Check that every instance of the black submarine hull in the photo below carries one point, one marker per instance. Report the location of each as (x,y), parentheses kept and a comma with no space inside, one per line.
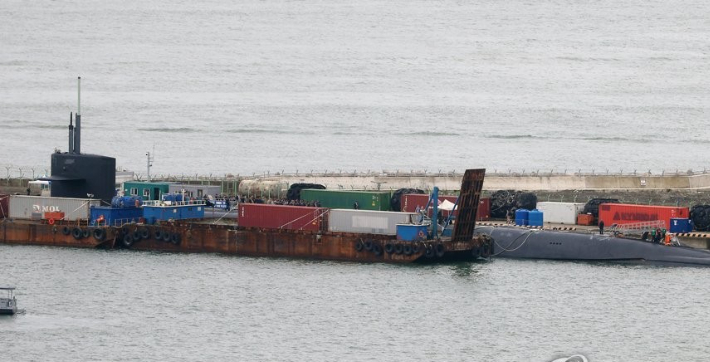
(523,243)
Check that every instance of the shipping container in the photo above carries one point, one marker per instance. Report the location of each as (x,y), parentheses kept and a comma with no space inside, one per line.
(368,221)
(146,190)
(281,217)
(115,216)
(631,214)
(679,225)
(338,199)
(194,191)
(23,207)
(176,212)
(4,206)
(561,212)
(484,209)
(411,232)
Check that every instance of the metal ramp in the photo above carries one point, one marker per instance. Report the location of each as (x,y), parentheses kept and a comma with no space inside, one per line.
(638,227)
(468,202)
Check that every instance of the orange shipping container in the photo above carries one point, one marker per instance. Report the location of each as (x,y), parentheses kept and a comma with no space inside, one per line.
(585,219)
(631,214)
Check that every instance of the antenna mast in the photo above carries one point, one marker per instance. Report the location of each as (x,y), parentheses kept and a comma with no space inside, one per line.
(149,162)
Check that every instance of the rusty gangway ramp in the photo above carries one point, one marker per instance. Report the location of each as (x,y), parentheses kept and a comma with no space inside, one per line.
(470,196)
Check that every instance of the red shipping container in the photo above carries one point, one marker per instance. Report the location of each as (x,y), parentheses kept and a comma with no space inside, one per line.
(585,219)
(410,202)
(4,206)
(631,214)
(281,216)
(484,209)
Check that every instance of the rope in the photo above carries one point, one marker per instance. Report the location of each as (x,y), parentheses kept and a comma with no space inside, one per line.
(527,235)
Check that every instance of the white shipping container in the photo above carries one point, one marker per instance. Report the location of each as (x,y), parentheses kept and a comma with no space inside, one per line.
(367,221)
(22,207)
(560,212)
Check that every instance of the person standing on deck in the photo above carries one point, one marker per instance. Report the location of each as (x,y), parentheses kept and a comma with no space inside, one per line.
(601,227)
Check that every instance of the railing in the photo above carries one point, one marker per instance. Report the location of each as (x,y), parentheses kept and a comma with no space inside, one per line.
(161,203)
(638,226)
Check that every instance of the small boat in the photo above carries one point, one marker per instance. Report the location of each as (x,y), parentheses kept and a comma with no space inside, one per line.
(8,305)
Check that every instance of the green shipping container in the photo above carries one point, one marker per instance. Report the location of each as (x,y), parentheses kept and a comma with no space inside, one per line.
(338,199)
(147,190)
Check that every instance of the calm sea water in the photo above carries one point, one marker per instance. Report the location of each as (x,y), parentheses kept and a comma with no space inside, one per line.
(252,86)
(89,305)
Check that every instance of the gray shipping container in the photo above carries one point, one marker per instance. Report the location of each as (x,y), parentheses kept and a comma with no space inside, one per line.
(367,221)
(22,207)
(560,212)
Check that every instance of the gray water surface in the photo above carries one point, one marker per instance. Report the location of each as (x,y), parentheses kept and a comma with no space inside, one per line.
(86,305)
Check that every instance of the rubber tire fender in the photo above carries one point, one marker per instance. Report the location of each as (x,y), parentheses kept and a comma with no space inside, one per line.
(145,233)
(368,244)
(127,240)
(175,239)
(158,234)
(398,249)
(407,249)
(429,251)
(440,250)
(377,249)
(99,234)
(77,233)
(416,248)
(389,248)
(358,245)
(86,233)
(166,236)
(66,230)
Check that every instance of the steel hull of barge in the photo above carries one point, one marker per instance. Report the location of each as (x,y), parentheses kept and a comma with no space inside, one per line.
(523,243)
(203,236)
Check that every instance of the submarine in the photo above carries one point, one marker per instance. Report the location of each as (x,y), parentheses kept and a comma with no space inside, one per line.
(523,243)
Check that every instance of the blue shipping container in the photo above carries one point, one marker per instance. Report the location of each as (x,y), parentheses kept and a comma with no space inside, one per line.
(521,217)
(115,216)
(679,225)
(158,213)
(410,232)
(535,218)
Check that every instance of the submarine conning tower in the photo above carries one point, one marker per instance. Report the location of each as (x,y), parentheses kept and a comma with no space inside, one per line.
(81,175)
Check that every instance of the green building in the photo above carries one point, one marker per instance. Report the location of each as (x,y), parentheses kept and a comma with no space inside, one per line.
(147,190)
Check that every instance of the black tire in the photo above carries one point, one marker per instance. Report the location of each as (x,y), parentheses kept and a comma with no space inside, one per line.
(145,234)
(368,245)
(358,245)
(398,249)
(66,230)
(166,236)
(85,233)
(127,240)
(136,235)
(158,234)
(77,233)
(99,234)
(389,248)
(440,250)
(416,248)
(429,251)
(377,249)
(175,239)
(407,250)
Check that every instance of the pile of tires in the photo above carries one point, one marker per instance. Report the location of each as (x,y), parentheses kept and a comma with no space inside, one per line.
(396,199)
(592,206)
(504,200)
(700,215)
(294,191)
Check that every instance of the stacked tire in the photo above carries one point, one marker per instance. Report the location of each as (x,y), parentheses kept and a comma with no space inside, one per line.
(504,200)
(294,191)
(592,206)
(700,216)
(396,199)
